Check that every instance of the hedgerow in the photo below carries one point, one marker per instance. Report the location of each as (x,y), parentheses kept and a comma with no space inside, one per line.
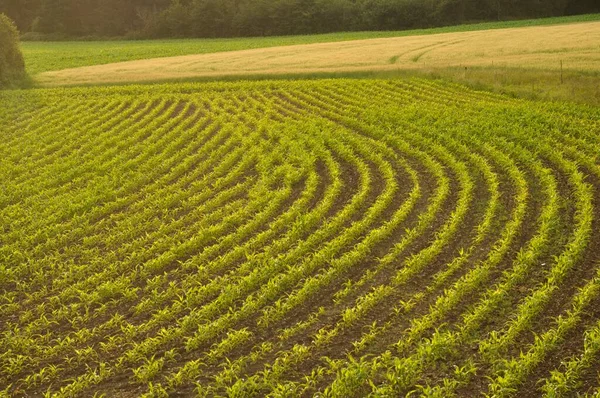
(12,66)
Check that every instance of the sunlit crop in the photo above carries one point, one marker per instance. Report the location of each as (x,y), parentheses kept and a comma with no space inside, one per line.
(335,237)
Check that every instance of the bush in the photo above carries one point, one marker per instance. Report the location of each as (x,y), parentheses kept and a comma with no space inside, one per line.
(12,66)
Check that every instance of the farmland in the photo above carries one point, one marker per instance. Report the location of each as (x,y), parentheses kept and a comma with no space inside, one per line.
(293,238)
(571,47)
(51,56)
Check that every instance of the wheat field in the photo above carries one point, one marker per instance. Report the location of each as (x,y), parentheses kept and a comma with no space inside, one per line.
(570,46)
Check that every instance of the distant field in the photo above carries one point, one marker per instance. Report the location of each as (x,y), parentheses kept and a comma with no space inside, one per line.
(332,238)
(571,47)
(50,56)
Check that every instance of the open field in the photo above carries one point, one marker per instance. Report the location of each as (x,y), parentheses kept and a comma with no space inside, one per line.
(576,46)
(347,237)
(49,56)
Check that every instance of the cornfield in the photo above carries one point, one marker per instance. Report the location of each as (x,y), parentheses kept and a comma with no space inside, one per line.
(333,238)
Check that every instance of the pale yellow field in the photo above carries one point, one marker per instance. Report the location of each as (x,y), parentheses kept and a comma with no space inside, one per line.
(543,47)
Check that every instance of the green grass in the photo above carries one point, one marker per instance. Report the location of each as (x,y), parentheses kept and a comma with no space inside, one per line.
(576,86)
(49,56)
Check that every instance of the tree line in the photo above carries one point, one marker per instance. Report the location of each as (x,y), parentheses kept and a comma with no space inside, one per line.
(231,18)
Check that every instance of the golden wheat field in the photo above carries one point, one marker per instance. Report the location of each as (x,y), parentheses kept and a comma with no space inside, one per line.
(542,47)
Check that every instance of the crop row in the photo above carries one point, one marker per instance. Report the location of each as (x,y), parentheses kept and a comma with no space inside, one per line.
(343,238)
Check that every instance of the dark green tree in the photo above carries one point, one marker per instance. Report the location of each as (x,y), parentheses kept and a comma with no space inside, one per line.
(51,17)
(226,18)
(12,66)
(22,12)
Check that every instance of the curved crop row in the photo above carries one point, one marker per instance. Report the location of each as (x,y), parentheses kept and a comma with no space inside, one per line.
(334,237)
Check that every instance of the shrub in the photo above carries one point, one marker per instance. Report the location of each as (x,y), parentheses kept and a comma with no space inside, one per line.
(12,65)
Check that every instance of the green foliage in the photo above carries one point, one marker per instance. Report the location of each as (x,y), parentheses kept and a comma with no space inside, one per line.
(12,66)
(60,19)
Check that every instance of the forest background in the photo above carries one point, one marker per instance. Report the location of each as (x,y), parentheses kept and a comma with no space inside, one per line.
(140,19)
